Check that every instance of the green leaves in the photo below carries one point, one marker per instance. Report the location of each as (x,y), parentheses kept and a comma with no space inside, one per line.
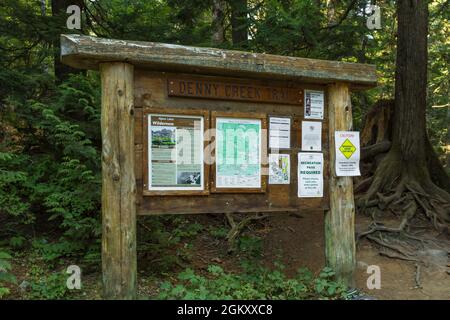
(255,282)
(50,166)
(48,286)
(5,275)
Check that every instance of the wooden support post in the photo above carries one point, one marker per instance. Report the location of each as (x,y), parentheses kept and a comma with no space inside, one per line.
(118,181)
(340,219)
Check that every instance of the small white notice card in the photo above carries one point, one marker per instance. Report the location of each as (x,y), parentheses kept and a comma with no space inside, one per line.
(310,175)
(314,102)
(279,133)
(311,136)
(347,153)
(279,168)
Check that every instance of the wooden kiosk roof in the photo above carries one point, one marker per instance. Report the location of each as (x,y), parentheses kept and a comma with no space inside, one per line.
(86,52)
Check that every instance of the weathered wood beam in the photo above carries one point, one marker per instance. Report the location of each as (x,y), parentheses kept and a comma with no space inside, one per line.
(87,52)
(340,249)
(118,181)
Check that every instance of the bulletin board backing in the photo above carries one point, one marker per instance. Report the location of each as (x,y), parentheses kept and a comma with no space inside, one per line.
(151,94)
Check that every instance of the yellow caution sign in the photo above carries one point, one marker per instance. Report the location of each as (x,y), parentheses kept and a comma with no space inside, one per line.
(346,144)
(347,148)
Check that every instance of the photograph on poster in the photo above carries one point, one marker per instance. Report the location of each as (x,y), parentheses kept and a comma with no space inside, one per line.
(175,152)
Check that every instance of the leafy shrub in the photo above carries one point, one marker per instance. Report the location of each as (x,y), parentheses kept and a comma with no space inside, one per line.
(17,242)
(50,168)
(218,232)
(254,283)
(251,245)
(5,275)
(47,286)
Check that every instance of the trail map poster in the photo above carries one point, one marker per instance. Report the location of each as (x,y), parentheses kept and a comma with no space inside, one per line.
(175,152)
(238,153)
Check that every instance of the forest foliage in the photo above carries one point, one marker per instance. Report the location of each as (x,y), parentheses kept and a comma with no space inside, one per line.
(50,124)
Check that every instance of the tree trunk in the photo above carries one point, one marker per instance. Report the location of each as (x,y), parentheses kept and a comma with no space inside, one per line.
(447,147)
(59,8)
(218,16)
(239,32)
(409,127)
(43,7)
(403,175)
(331,12)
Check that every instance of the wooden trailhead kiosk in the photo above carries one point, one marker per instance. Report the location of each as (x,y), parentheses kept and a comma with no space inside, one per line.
(189,130)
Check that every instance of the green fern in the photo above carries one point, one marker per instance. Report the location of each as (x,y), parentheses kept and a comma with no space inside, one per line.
(5,275)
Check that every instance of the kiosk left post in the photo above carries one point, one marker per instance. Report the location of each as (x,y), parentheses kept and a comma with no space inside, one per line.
(119,264)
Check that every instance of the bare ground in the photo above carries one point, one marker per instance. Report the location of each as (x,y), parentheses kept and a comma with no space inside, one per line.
(298,240)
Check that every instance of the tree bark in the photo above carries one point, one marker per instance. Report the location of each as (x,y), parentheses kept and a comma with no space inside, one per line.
(239,32)
(218,18)
(331,12)
(447,147)
(340,249)
(406,167)
(409,127)
(118,181)
(59,8)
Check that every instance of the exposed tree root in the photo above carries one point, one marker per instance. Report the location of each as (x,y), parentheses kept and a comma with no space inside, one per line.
(398,251)
(417,277)
(375,149)
(408,193)
(236,228)
(397,256)
(363,185)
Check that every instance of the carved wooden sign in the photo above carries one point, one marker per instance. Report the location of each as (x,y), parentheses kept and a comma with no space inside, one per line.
(198,88)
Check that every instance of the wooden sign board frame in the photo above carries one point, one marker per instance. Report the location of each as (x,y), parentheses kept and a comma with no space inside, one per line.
(145,153)
(134,80)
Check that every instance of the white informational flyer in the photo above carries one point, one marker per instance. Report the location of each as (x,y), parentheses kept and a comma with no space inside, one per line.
(310,175)
(311,136)
(348,153)
(314,104)
(279,168)
(279,133)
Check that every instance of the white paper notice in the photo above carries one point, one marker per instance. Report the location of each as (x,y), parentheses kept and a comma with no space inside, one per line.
(314,102)
(347,153)
(279,133)
(279,168)
(311,136)
(310,175)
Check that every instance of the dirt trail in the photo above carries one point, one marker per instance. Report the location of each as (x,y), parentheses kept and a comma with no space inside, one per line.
(301,240)
(398,277)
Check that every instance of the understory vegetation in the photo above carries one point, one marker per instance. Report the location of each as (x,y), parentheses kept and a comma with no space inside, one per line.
(254,283)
